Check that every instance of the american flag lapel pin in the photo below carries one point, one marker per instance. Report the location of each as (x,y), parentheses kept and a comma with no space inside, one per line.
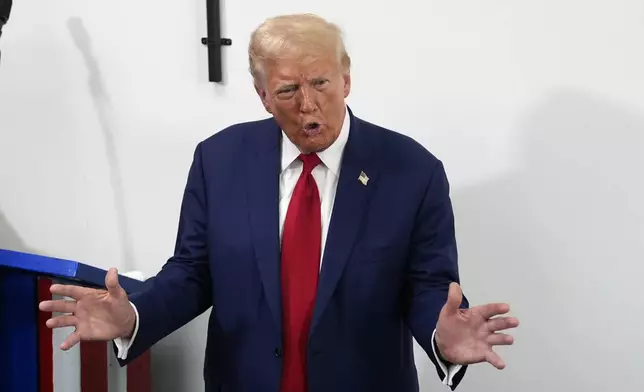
(363,178)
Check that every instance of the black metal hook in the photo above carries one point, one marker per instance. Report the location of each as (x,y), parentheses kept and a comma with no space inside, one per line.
(223,42)
(213,40)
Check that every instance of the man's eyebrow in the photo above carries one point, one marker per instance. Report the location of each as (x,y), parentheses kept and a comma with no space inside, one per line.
(287,86)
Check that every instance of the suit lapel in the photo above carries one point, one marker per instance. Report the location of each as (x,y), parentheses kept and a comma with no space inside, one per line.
(350,204)
(262,173)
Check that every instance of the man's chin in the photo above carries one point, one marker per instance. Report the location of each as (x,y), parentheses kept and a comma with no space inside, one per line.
(308,148)
(314,143)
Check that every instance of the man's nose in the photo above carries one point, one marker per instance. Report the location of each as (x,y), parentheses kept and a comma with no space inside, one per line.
(307,100)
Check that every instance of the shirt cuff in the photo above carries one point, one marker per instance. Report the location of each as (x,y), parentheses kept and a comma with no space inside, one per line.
(123,344)
(448,371)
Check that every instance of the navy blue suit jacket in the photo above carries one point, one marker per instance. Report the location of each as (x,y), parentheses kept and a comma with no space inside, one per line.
(389,259)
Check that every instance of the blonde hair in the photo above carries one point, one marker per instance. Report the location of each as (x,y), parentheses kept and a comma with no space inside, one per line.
(296,36)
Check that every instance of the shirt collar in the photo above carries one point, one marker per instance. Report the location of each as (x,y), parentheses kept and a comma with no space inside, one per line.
(331,157)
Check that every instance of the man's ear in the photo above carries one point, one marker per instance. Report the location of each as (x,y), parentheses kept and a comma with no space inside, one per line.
(347,84)
(263,97)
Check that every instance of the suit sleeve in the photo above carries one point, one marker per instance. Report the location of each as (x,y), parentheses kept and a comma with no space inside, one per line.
(181,291)
(432,266)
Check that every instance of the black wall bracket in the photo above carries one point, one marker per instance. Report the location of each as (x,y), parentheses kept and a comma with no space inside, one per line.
(214,42)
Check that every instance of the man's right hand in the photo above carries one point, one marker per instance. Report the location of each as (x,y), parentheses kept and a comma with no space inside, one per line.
(96,314)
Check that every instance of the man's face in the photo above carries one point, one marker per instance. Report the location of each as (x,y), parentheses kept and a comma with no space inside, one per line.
(307,100)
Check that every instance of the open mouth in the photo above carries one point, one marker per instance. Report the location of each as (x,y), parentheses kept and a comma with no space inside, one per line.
(312,128)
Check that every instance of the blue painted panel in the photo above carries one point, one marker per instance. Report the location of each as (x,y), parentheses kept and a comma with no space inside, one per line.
(63,269)
(40,264)
(18,330)
(96,276)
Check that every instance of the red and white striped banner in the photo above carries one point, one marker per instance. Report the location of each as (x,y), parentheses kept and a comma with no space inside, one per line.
(88,366)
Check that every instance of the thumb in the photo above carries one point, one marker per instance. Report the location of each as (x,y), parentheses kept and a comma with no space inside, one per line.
(454,298)
(112,283)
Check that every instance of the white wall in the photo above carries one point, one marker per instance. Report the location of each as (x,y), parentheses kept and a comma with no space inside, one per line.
(536,107)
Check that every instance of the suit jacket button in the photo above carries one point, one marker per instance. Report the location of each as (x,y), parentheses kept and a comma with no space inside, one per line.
(278,352)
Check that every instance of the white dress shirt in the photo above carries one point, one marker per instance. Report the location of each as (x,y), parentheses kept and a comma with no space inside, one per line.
(326,176)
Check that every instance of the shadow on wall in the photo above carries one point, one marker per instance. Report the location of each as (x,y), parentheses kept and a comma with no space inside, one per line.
(174,364)
(106,118)
(561,240)
(9,238)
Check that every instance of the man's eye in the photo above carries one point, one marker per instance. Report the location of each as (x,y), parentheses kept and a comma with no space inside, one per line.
(286,90)
(320,82)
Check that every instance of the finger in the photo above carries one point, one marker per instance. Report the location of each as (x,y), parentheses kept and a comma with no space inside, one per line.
(63,290)
(494,309)
(112,283)
(501,323)
(71,341)
(62,321)
(454,298)
(60,306)
(495,360)
(500,339)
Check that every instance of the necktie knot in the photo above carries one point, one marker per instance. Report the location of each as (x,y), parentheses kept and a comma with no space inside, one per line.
(310,161)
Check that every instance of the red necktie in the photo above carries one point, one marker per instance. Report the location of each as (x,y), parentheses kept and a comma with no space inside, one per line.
(301,247)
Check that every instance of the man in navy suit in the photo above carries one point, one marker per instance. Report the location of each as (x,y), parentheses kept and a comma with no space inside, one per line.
(323,244)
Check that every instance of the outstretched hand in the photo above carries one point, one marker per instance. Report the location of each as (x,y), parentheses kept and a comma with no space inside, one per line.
(468,336)
(96,314)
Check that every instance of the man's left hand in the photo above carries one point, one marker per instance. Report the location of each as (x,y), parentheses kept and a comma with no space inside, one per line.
(467,336)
